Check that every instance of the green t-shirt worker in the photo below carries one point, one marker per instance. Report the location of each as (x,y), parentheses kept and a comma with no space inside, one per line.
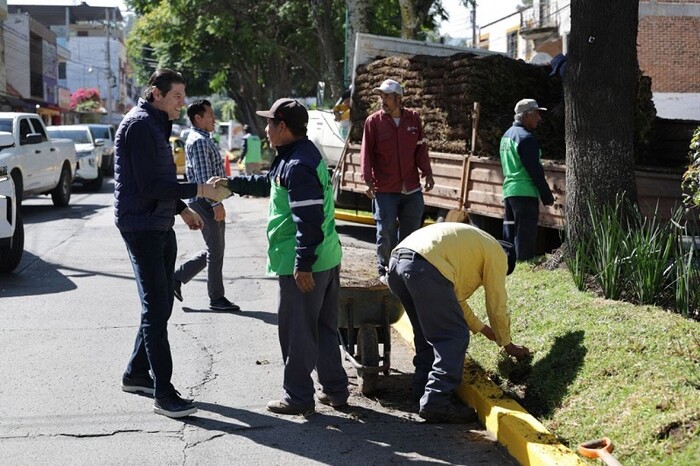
(251,152)
(304,252)
(524,183)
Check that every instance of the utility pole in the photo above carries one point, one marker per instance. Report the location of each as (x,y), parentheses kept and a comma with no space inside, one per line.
(109,67)
(473,17)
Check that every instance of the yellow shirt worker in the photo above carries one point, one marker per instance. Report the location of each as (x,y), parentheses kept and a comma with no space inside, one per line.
(433,272)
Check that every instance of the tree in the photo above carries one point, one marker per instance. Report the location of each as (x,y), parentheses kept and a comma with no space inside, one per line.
(415,14)
(600,88)
(85,100)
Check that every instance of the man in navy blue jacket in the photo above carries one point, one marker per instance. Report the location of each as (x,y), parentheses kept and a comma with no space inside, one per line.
(147,198)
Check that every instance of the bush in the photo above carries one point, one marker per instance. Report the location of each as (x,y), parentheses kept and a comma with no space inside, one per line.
(691,178)
(644,260)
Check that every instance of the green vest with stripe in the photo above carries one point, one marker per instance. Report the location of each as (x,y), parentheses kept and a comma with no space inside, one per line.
(281,230)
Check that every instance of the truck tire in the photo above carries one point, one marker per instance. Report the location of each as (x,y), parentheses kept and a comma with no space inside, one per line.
(19,187)
(12,254)
(96,184)
(60,195)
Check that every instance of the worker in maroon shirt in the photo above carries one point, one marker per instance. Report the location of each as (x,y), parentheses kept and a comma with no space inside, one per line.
(394,150)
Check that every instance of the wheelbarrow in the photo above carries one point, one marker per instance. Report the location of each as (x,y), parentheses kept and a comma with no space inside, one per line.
(365,315)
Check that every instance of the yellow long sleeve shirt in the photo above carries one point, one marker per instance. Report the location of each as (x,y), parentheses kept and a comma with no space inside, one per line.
(469,258)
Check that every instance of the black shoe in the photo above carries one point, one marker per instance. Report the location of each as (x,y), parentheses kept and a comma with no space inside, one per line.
(138,384)
(177,290)
(223,304)
(174,406)
(452,413)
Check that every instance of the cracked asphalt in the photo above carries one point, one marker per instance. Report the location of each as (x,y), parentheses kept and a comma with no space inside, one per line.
(68,320)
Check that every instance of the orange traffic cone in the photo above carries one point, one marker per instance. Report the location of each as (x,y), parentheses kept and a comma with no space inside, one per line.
(227,166)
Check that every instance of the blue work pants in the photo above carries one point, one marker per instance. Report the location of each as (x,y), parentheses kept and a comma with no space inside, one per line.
(152,255)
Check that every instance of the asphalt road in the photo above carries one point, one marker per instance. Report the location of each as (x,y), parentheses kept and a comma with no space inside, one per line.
(69,315)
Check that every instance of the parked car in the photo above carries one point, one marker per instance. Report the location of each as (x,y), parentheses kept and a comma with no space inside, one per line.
(36,164)
(88,152)
(106,133)
(178,147)
(11,226)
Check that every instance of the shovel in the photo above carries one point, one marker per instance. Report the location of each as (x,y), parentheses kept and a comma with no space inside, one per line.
(600,448)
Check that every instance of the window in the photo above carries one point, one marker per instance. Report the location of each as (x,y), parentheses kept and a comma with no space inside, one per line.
(39,129)
(512,49)
(62,70)
(25,130)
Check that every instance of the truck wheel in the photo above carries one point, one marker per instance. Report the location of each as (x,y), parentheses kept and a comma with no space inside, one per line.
(19,187)
(96,184)
(12,254)
(60,195)
(368,346)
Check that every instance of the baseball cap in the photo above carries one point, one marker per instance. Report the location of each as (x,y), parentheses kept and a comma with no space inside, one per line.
(288,110)
(526,105)
(509,249)
(389,86)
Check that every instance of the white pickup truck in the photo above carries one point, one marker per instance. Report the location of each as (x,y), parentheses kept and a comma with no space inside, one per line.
(11,227)
(36,164)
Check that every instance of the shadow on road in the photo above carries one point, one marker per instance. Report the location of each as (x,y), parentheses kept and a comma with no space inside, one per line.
(34,277)
(357,433)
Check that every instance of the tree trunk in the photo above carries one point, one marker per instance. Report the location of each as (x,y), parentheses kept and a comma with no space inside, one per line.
(600,96)
(414,14)
(358,19)
(410,23)
(329,48)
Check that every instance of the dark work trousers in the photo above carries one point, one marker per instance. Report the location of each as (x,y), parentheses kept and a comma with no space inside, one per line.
(440,333)
(152,255)
(386,209)
(520,224)
(212,256)
(308,333)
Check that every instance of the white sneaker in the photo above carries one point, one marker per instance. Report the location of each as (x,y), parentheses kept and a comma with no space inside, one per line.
(384,280)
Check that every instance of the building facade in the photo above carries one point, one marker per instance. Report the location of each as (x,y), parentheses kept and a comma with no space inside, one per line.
(667,46)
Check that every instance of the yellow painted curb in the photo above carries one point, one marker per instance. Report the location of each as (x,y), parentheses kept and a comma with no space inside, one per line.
(354,218)
(525,438)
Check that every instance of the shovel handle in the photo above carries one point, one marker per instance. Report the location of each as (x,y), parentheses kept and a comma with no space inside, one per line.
(607,458)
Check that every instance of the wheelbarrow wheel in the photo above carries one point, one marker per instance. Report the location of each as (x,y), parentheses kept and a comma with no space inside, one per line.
(368,346)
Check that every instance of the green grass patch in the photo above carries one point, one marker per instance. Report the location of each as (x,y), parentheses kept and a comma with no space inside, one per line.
(600,368)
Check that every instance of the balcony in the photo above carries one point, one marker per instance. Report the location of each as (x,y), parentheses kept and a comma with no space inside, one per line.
(540,22)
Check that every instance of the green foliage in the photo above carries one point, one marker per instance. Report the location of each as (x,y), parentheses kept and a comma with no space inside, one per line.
(253,52)
(650,244)
(605,247)
(640,259)
(691,178)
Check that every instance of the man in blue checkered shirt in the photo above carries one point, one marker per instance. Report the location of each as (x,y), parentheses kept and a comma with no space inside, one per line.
(203,161)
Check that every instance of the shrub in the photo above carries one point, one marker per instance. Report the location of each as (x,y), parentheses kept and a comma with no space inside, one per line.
(691,178)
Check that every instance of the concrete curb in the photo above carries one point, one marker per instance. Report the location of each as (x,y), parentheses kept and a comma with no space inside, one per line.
(525,438)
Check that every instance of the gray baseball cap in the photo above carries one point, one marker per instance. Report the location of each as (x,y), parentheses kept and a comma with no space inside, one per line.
(527,105)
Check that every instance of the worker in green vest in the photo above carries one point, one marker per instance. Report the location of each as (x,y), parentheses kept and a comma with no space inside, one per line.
(251,154)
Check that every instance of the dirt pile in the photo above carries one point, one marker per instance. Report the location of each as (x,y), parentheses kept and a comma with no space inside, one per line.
(444,89)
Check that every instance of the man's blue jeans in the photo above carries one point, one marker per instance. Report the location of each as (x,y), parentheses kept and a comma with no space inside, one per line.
(440,333)
(152,255)
(520,224)
(386,209)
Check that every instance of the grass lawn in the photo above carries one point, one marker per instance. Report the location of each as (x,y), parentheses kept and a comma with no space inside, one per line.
(600,368)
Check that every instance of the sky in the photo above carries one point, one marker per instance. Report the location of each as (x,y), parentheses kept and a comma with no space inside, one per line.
(459,24)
